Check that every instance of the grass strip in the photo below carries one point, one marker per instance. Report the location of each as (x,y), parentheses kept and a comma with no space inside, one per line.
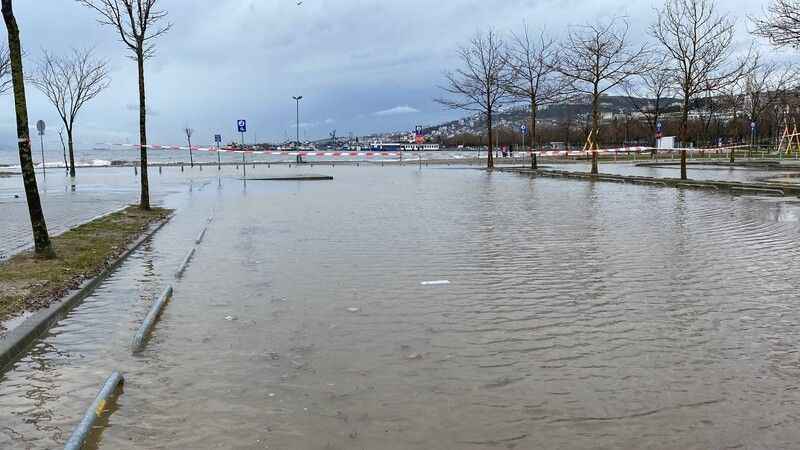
(28,283)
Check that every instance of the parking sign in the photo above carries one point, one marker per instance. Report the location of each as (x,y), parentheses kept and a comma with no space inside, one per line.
(241,124)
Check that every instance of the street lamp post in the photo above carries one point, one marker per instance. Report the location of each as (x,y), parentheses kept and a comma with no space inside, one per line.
(297,99)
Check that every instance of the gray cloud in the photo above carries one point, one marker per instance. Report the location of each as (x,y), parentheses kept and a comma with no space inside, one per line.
(230,59)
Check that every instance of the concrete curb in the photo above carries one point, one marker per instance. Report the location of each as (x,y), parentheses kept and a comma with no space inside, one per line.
(730,186)
(150,321)
(95,411)
(16,341)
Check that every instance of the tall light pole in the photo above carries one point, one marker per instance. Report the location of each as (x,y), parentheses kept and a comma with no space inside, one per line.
(297,99)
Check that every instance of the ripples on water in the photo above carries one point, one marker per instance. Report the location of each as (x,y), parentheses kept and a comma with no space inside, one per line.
(579,315)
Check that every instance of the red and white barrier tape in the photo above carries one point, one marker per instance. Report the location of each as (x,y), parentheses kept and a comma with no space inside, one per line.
(253,151)
(372,154)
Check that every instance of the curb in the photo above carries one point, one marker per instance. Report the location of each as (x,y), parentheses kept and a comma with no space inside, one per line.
(716,185)
(13,344)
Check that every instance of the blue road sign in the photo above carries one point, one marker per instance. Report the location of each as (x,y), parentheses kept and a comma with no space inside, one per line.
(242,125)
(658,127)
(217,138)
(752,125)
(524,128)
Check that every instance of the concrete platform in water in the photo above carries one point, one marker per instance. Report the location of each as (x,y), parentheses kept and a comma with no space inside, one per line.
(299,177)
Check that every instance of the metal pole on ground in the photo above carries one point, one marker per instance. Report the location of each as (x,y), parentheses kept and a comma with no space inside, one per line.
(98,407)
(150,320)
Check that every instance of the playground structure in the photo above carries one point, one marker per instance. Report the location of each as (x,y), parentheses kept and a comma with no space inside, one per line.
(790,140)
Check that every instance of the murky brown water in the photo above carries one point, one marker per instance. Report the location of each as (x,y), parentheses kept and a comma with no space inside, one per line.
(579,315)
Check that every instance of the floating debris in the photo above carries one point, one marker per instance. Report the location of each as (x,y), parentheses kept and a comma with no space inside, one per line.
(353,309)
(435,282)
(229,318)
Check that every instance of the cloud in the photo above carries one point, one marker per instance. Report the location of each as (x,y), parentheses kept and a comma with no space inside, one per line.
(396,111)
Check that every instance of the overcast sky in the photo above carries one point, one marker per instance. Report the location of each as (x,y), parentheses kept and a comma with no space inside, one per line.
(362,65)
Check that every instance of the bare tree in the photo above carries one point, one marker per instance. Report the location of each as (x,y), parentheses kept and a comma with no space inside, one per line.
(782,23)
(650,91)
(69,82)
(534,78)
(41,238)
(5,70)
(479,86)
(136,21)
(189,132)
(766,86)
(699,47)
(596,59)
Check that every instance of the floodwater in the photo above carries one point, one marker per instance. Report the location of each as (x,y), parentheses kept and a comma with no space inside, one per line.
(578,315)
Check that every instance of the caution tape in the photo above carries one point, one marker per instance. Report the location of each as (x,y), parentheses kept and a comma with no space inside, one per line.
(373,154)
(255,151)
(634,150)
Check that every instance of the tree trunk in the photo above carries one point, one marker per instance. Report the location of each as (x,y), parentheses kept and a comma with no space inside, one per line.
(654,152)
(41,239)
(683,164)
(594,131)
(490,160)
(71,153)
(685,121)
(532,142)
(144,202)
(533,124)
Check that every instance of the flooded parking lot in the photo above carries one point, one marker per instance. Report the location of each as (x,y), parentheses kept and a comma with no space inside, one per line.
(578,315)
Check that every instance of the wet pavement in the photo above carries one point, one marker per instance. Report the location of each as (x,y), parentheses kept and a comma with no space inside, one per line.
(578,315)
(96,191)
(695,171)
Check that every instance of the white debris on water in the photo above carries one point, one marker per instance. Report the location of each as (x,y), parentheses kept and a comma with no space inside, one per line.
(353,309)
(229,318)
(435,282)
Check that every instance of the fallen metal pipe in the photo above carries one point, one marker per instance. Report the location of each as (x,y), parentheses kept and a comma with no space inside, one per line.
(94,412)
(150,321)
(200,236)
(185,263)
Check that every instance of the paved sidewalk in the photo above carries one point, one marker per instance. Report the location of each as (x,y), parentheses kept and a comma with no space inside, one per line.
(96,192)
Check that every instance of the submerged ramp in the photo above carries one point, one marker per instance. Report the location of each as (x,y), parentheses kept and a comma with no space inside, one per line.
(779,189)
(299,177)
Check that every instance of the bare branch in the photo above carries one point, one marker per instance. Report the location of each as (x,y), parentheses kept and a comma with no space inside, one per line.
(70,81)
(136,21)
(699,46)
(479,85)
(5,70)
(782,23)
(598,58)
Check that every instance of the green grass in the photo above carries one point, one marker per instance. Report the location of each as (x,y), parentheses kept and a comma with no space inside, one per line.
(28,283)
